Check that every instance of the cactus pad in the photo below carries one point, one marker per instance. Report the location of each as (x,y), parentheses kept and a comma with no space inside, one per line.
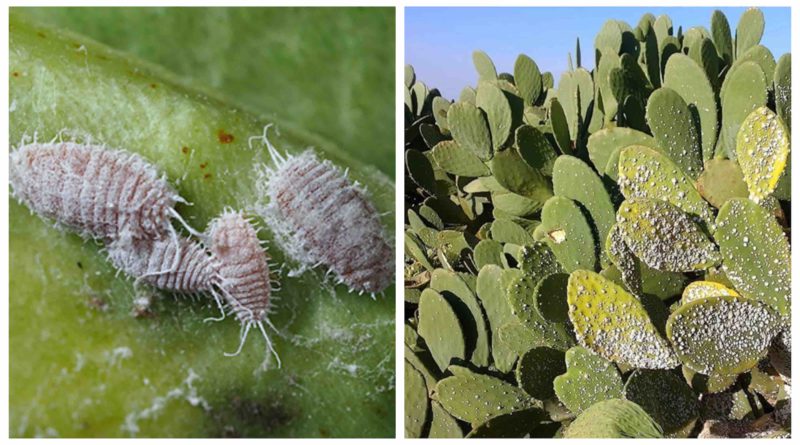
(762,149)
(722,335)
(666,398)
(614,324)
(589,379)
(614,419)
(440,328)
(755,253)
(477,398)
(664,237)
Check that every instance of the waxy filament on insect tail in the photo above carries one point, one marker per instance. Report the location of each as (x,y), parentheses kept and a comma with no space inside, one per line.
(321,218)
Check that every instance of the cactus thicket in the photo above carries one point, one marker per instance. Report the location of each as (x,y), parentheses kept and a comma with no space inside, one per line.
(608,255)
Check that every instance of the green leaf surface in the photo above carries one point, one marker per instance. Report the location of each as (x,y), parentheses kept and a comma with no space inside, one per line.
(455,160)
(196,137)
(440,328)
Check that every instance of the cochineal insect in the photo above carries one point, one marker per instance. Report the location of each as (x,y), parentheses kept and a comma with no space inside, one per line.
(245,273)
(96,191)
(322,218)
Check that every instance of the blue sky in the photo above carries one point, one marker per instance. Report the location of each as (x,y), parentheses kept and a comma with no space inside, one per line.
(439,41)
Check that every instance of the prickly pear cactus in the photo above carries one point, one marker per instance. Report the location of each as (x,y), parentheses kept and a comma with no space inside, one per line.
(626,231)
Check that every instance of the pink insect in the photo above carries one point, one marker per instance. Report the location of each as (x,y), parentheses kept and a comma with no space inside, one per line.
(321,218)
(245,273)
(96,191)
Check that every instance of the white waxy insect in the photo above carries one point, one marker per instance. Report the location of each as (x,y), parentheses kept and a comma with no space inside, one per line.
(245,273)
(96,191)
(321,218)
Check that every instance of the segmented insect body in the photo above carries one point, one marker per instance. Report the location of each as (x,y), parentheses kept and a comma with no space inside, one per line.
(244,271)
(330,220)
(96,191)
(178,265)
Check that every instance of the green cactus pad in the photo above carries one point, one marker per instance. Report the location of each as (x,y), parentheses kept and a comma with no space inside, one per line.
(783,89)
(488,252)
(528,79)
(762,149)
(609,37)
(443,425)
(477,398)
(744,90)
(469,128)
(560,126)
(589,379)
(535,149)
(574,179)
(689,79)
(521,291)
(421,171)
(416,251)
(518,338)
(440,107)
(484,66)
(423,362)
(721,32)
(514,425)
(550,298)
(762,56)
(537,369)
(707,384)
(513,173)
(575,88)
(491,290)
(614,324)
(749,30)
(568,234)
(721,180)
(538,261)
(440,328)
(755,252)
(666,398)
(675,131)
(460,295)
(454,159)
(603,143)
(646,173)
(664,237)
(514,204)
(722,335)
(704,289)
(491,99)
(507,231)
(614,418)
(416,402)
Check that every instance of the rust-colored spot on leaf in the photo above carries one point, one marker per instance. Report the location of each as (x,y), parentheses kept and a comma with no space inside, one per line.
(207,176)
(203,165)
(185,150)
(224,137)
(153,85)
(41,34)
(15,74)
